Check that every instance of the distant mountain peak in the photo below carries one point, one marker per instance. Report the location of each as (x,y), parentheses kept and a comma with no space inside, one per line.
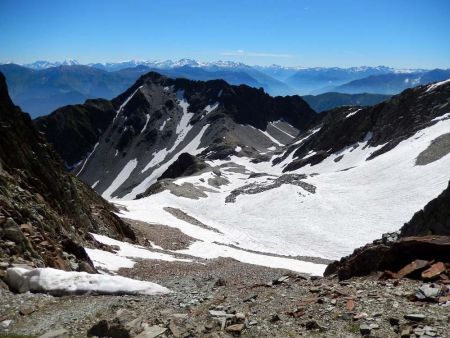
(43,64)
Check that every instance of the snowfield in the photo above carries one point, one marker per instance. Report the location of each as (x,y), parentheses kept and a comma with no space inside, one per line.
(356,200)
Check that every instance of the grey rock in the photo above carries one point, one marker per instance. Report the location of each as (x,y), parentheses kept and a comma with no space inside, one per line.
(235,328)
(11,231)
(250,298)
(58,333)
(274,318)
(5,324)
(220,314)
(26,310)
(152,332)
(415,317)
(428,291)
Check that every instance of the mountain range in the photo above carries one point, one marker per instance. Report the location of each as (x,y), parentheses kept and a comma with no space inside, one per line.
(42,86)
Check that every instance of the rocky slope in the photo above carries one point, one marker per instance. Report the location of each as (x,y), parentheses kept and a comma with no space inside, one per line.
(45,213)
(433,219)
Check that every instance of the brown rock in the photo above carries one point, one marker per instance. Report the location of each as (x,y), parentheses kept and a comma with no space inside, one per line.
(26,310)
(434,271)
(312,325)
(297,313)
(388,275)
(405,333)
(418,264)
(444,299)
(27,228)
(350,305)
(360,315)
(3,285)
(307,301)
(236,328)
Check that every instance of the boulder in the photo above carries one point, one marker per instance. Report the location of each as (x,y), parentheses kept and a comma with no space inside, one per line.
(392,257)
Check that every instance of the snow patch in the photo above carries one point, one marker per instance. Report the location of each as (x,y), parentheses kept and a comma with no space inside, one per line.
(271,138)
(87,159)
(210,107)
(273,125)
(146,122)
(442,117)
(163,125)
(352,113)
(437,84)
(120,179)
(108,261)
(124,257)
(58,282)
(307,136)
(125,103)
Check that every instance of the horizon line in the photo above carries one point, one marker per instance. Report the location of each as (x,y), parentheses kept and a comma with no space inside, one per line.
(201,63)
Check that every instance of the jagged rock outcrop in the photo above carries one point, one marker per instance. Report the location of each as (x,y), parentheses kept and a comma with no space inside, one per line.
(45,213)
(433,219)
(185,165)
(391,256)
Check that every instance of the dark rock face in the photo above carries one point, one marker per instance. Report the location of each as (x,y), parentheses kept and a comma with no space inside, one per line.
(387,124)
(74,130)
(433,219)
(41,206)
(185,165)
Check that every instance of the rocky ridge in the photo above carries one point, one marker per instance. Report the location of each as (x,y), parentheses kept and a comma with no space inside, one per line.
(46,214)
(385,124)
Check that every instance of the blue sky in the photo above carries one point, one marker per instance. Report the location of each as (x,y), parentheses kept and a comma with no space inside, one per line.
(398,33)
